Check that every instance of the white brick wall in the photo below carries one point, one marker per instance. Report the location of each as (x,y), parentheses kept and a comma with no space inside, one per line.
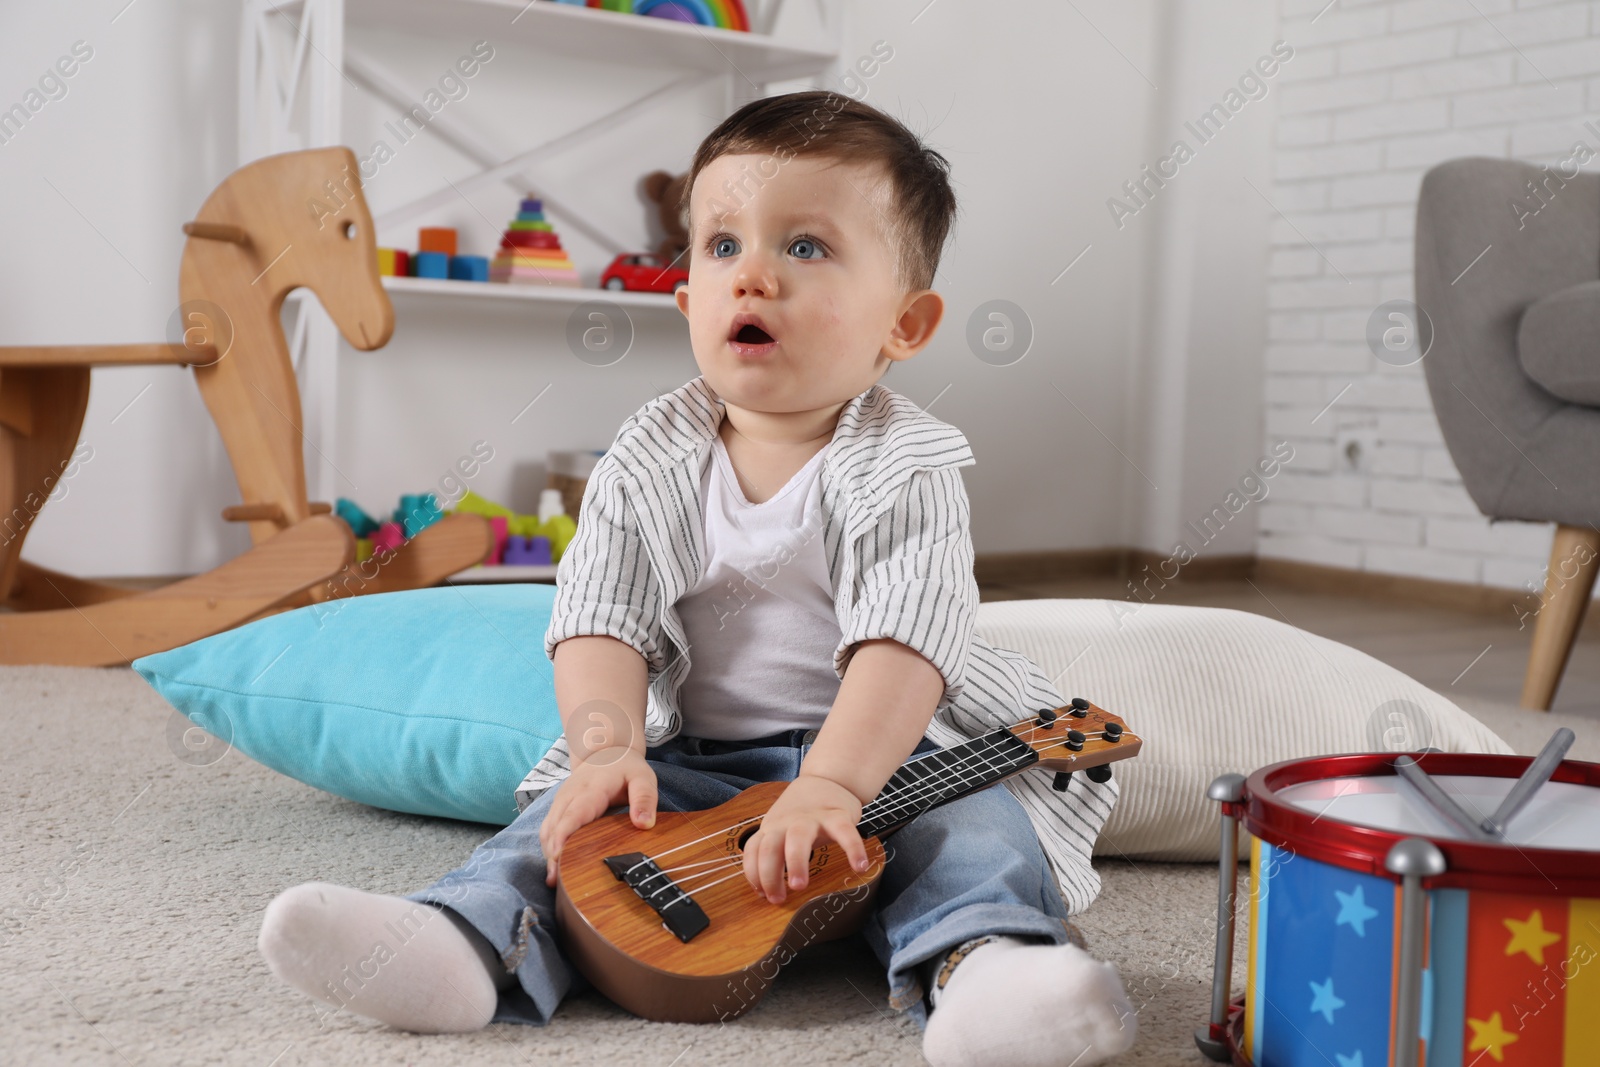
(1377,93)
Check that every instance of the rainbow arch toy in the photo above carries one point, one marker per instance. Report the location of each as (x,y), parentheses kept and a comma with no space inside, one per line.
(722,14)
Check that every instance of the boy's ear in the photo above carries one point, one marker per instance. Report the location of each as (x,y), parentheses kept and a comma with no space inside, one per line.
(918,322)
(680,296)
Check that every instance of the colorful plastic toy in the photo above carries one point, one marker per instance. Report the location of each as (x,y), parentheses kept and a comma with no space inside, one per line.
(393,262)
(527,552)
(431,265)
(1421,916)
(525,540)
(387,538)
(437,239)
(722,14)
(473,504)
(498,525)
(469,268)
(643,272)
(417,512)
(559,529)
(361,524)
(530,252)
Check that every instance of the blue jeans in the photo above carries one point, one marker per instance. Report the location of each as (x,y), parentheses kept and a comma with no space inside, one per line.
(969,867)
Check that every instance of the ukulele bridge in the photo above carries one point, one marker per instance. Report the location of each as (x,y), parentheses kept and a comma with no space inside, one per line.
(682,917)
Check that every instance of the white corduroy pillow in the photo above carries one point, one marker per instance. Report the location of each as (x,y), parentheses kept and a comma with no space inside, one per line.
(1213,691)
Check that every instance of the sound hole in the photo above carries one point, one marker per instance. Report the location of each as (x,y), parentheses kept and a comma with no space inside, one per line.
(748,834)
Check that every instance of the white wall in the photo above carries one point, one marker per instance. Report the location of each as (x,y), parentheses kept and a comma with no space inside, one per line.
(1194,388)
(1378,93)
(97,184)
(1040,114)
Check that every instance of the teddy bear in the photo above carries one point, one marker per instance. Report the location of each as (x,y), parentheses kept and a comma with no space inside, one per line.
(666,191)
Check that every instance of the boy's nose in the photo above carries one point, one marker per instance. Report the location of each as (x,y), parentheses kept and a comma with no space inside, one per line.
(755,280)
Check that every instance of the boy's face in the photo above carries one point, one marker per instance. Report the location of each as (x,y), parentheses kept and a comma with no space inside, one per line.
(807,252)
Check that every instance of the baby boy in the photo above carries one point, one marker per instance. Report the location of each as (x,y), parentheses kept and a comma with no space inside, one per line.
(772,580)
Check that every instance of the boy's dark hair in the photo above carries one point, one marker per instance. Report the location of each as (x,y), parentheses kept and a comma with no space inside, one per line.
(820,122)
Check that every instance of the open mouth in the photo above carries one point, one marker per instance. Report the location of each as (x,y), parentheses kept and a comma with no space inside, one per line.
(749,336)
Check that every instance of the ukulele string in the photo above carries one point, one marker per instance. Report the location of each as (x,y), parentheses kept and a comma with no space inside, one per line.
(955,774)
(741,823)
(895,800)
(948,776)
(958,770)
(878,801)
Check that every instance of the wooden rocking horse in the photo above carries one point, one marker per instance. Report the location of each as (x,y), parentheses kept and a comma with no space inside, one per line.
(291,220)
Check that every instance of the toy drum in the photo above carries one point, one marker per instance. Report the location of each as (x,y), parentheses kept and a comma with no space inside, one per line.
(1383,933)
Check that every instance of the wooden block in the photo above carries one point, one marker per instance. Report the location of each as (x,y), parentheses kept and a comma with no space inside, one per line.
(432,265)
(469,268)
(437,239)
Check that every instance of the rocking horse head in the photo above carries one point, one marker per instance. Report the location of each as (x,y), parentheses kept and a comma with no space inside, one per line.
(282,222)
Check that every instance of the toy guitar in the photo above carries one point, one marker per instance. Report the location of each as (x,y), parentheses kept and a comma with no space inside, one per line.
(663,921)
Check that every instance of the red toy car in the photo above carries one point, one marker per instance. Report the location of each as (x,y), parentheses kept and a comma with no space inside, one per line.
(643,272)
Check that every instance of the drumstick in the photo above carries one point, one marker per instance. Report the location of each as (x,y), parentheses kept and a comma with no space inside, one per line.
(1537,774)
(1442,802)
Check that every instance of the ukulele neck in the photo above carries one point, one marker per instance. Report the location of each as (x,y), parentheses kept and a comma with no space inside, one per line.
(938,777)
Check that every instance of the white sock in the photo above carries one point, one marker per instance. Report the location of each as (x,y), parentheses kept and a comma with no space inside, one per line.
(414,966)
(1012,1003)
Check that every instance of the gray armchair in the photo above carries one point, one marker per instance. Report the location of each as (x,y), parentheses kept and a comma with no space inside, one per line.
(1514,367)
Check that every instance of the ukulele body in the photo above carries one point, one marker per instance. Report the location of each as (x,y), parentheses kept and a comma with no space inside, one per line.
(622,946)
(710,952)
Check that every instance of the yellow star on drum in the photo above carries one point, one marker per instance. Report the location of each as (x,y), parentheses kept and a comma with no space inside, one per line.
(1490,1035)
(1530,936)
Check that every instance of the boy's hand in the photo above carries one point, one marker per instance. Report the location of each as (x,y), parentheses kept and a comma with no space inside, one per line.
(811,809)
(606,778)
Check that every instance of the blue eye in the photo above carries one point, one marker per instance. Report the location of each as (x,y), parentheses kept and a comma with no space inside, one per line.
(806,243)
(717,244)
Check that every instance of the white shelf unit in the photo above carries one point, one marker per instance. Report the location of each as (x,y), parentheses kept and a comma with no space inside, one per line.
(549,294)
(295,67)
(590,33)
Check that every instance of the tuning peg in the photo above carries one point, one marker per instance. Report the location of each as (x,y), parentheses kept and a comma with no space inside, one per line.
(1113,732)
(1075,740)
(1099,774)
(1046,717)
(1080,707)
(1059,783)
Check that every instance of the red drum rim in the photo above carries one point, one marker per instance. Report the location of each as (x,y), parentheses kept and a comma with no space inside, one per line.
(1470,864)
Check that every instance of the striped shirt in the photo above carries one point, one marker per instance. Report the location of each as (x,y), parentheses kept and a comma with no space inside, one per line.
(899,548)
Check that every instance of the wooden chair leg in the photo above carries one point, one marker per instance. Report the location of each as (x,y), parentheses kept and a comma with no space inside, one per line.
(1574,562)
(41,413)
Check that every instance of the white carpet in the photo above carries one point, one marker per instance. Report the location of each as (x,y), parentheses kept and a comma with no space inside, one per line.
(132,887)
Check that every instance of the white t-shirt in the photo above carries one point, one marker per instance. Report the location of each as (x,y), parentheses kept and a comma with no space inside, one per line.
(760,622)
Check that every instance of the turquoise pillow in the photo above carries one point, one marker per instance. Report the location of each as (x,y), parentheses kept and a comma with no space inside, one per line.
(429,701)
